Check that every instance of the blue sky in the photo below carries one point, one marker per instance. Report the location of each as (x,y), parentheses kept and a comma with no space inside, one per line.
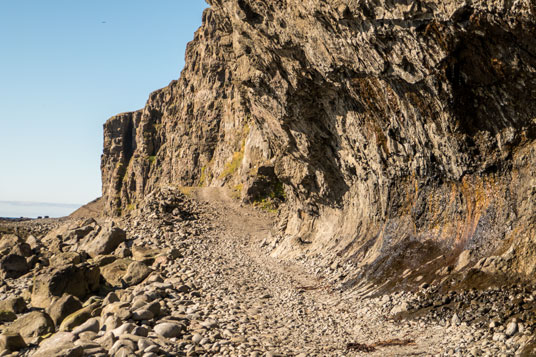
(67,66)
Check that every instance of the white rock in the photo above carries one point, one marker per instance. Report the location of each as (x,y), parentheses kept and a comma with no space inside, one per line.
(511,329)
(499,337)
(464,259)
(399,308)
(168,329)
(123,329)
(455,321)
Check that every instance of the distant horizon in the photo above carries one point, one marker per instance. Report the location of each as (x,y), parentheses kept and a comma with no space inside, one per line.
(38,203)
(27,209)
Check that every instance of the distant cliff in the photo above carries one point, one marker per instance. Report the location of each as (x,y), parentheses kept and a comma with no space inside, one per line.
(388,133)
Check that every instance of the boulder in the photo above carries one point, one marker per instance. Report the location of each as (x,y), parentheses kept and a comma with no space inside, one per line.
(65,258)
(113,273)
(15,305)
(57,339)
(11,342)
(63,350)
(117,309)
(136,272)
(464,260)
(105,242)
(33,242)
(92,300)
(22,249)
(13,266)
(142,314)
(32,325)
(63,307)
(91,325)
(511,329)
(69,235)
(122,251)
(154,307)
(103,260)
(7,316)
(84,230)
(53,240)
(77,280)
(144,254)
(7,242)
(79,317)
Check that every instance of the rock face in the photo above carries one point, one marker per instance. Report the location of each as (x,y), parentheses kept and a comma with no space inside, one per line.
(395,131)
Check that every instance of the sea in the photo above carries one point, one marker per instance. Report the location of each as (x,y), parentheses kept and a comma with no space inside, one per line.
(17,209)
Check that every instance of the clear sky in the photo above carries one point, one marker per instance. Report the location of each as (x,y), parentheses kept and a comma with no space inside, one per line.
(65,67)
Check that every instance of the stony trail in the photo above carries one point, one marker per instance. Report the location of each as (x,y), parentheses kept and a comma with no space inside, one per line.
(265,305)
(189,275)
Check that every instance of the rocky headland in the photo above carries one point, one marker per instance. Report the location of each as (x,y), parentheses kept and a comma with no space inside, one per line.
(324,179)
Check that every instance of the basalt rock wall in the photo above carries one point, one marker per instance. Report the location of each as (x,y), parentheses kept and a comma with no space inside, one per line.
(396,132)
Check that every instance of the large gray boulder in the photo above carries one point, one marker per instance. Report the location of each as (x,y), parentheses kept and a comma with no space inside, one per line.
(68,236)
(63,307)
(65,258)
(113,273)
(7,242)
(77,280)
(15,305)
(59,345)
(136,273)
(13,266)
(105,242)
(11,342)
(32,326)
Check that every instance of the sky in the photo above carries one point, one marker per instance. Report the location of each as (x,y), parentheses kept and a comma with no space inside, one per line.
(66,67)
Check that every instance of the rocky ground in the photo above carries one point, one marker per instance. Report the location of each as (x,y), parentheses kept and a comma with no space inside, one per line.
(187,275)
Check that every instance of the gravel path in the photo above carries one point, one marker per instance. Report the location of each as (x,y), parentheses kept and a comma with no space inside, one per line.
(214,291)
(257,305)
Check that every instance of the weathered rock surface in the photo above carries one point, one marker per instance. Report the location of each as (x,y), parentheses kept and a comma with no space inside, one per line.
(63,307)
(62,350)
(11,342)
(77,280)
(32,325)
(65,258)
(15,305)
(113,273)
(7,242)
(395,131)
(109,237)
(79,317)
(136,272)
(144,254)
(13,266)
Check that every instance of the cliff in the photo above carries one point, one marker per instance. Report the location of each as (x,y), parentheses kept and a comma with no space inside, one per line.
(390,134)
